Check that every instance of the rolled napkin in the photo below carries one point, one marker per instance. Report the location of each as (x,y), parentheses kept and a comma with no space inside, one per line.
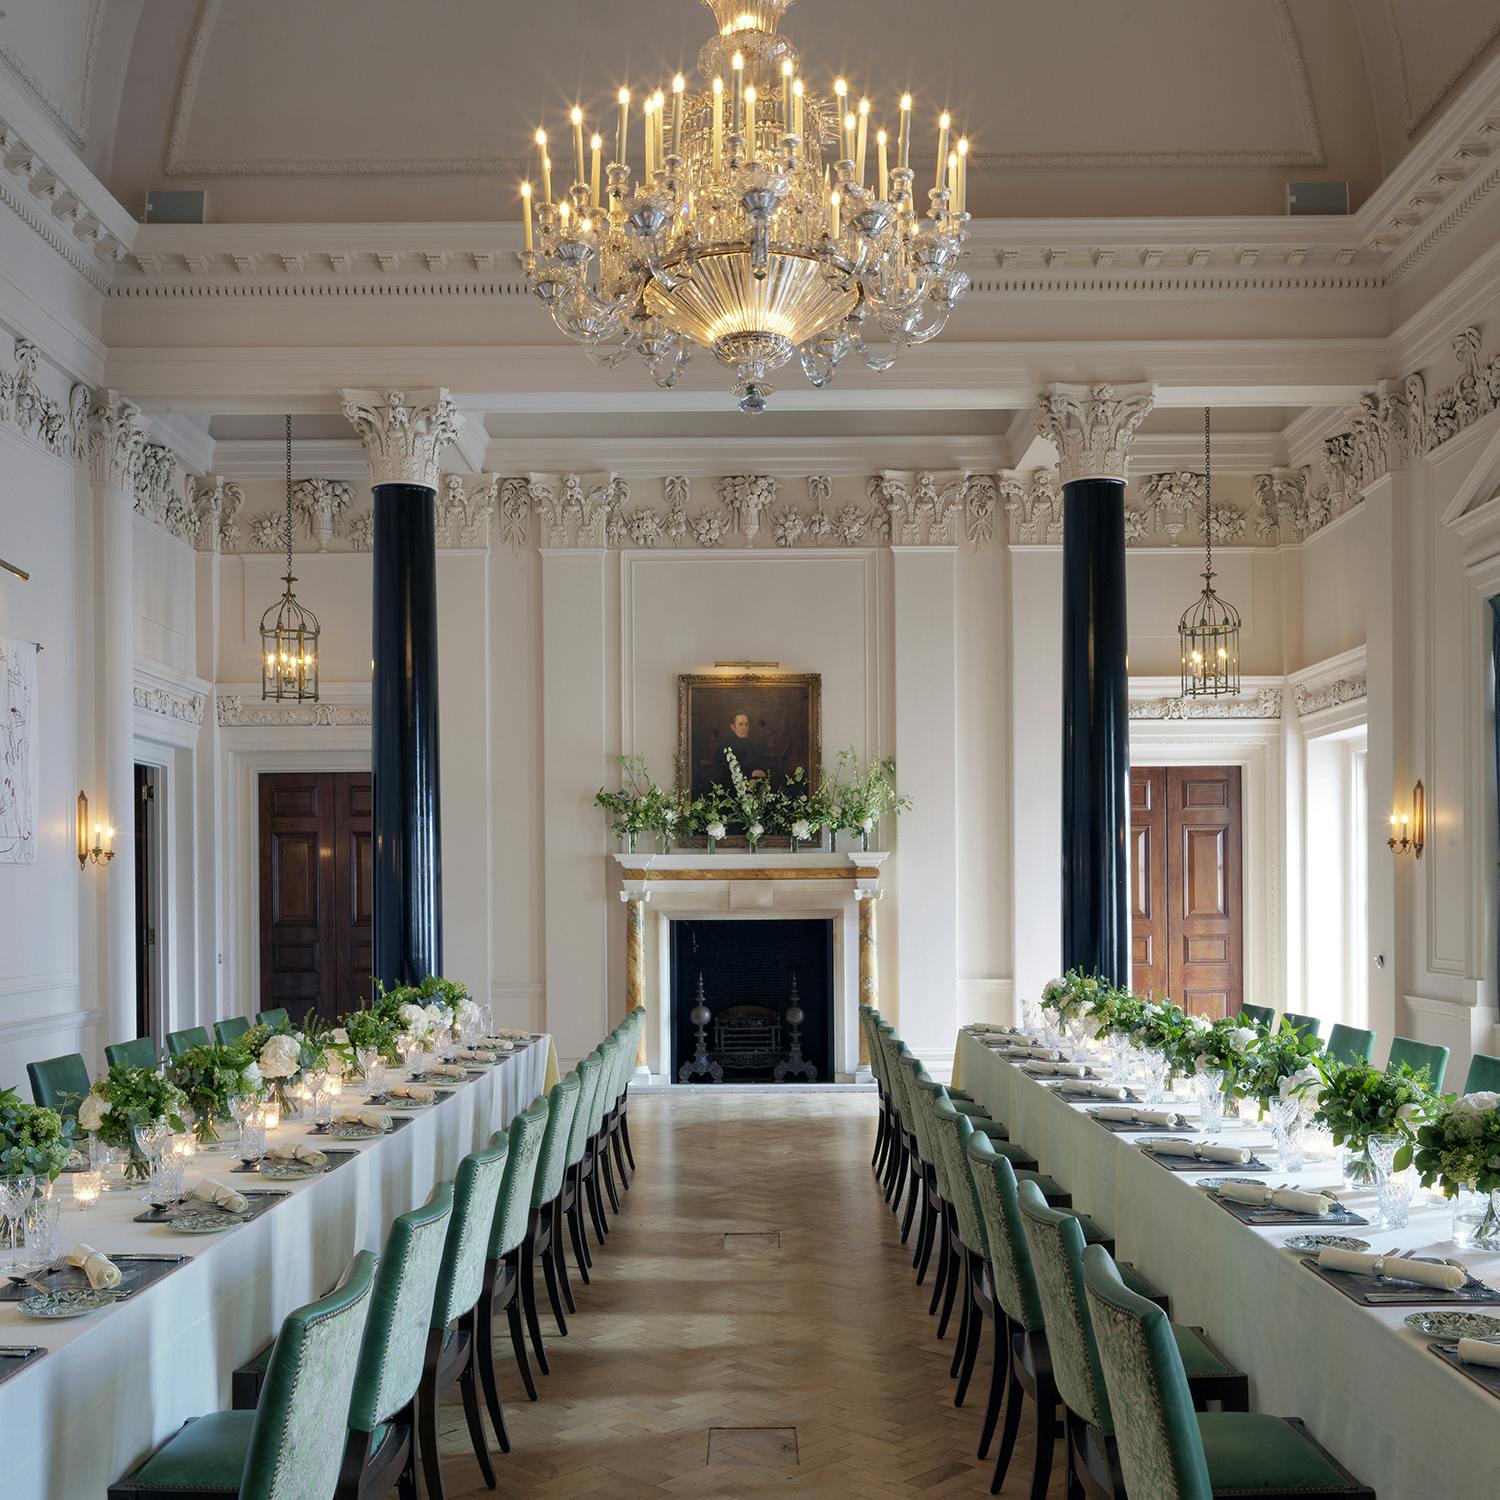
(1289,1199)
(446,1070)
(1055,1069)
(221,1196)
(102,1272)
(470,1055)
(305,1154)
(413,1091)
(1478,1351)
(1039,1054)
(1163,1117)
(1097,1090)
(1424,1273)
(1236,1156)
(374,1118)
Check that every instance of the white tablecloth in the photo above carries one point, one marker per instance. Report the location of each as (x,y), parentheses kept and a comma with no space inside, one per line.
(1369,1389)
(115,1383)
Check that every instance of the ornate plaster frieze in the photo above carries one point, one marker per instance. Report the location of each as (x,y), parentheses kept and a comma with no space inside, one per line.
(1033,506)
(1092,427)
(1312,700)
(463,510)
(232,713)
(1265,704)
(322,506)
(218,502)
(186,708)
(1432,419)
(921,511)
(29,409)
(404,437)
(116,439)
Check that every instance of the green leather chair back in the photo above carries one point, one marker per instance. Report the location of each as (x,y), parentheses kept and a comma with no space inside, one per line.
(1011,1272)
(924,1094)
(1161,1451)
(1261,1015)
(179,1042)
(590,1079)
(892,1050)
(60,1083)
(1419,1055)
(278,1017)
(1483,1075)
(513,1206)
(952,1131)
(1307,1025)
(141,1053)
(624,1061)
(607,1053)
(476,1190)
(395,1341)
(296,1445)
(562,1104)
(1055,1240)
(1349,1044)
(227,1033)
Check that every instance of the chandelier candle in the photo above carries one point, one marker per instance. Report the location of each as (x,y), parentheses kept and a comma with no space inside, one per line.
(788,126)
(622,145)
(880,160)
(750,98)
(546,165)
(577,118)
(945,122)
(859,150)
(596,147)
(717,106)
(903,151)
(526,200)
(798,89)
(737,63)
(961,175)
(679,83)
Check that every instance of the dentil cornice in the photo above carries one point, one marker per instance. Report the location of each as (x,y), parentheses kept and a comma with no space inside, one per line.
(1092,427)
(403,436)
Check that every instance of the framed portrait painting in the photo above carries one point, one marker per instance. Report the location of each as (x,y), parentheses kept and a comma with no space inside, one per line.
(771,720)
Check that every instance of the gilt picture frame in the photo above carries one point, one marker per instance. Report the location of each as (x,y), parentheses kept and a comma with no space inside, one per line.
(772,720)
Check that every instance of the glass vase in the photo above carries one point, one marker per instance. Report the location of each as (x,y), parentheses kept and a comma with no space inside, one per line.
(864,840)
(1476,1220)
(216,1132)
(628,839)
(287,1097)
(1358,1167)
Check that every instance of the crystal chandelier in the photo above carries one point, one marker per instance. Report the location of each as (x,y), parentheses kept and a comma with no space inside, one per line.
(765,222)
(1209,631)
(288,632)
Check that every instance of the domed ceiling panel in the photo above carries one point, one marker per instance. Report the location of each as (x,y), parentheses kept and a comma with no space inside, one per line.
(52,46)
(1437,43)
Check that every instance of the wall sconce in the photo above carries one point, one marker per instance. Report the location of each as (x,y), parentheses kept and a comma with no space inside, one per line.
(102,850)
(1409,830)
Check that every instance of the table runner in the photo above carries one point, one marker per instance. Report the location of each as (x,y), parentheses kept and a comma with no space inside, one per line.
(116,1383)
(1407,1424)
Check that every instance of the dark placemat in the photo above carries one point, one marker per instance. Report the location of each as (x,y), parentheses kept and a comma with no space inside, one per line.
(1487,1376)
(470,1073)
(384,1101)
(1371,1291)
(260,1201)
(137,1271)
(1132,1127)
(398,1122)
(1194,1164)
(336,1158)
(15,1357)
(1261,1218)
(1074,1096)
(1020,1064)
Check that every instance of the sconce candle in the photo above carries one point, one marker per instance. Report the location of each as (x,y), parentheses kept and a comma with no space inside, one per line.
(1409,830)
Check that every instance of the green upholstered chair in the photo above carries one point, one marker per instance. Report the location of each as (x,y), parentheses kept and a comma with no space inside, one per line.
(562,1105)
(274,1451)
(636,1021)
(1307,1025)
(380,1446)
(568,1206)
(179,1042)
(1483,1076)
(502,1278)
(141,1053)
(278,1017)
(619,1075)
(1350,1044)
(1167,1450)
(60,1083)
(1420,1055)
(227,1033)
(451,1345)
(1055,1240)
(897,1173)
(602,1171)
(950,1132)
(1261,1015)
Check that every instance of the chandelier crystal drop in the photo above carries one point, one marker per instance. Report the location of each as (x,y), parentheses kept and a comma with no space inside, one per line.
(761,220)
(1209,631)
(288,631)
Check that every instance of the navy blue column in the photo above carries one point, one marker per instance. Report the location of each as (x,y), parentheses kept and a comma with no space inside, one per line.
(1096,733)
(408,944)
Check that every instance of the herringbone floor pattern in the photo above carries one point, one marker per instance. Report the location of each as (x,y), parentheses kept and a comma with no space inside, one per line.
(678,1335)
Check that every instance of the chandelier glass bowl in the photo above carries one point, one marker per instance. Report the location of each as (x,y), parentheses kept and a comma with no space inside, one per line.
(760,220)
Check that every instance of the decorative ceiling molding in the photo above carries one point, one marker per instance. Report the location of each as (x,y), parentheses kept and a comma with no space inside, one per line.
(232,713)
(1265,703)
(1092,427)
(72,120)
(186,708)
(1416,115)
(404,438)
(1312,700)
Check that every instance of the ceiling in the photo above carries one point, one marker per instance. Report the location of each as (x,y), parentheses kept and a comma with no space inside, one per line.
(379,110)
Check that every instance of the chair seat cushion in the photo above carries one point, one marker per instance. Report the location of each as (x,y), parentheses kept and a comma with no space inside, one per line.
(1251,1453)
(1094,1233)
(1197,1357)
(992,1130)
(1050,1187)
(1132,1278)
(208,1454)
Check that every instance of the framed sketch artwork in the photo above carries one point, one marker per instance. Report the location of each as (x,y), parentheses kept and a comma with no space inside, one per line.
(771,720)
(18,751)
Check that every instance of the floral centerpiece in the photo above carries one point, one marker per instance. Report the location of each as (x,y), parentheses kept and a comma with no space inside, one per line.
(1459,1151)
(373,1030)
(1217,1047)
(210,1078)
(754,799)
(863,794)
(711,814)
(638,806)
(126,1099)
(34,1141)
(1355,1101)
(1073,996)
(282,1056)
(807,811)
(1278,1064)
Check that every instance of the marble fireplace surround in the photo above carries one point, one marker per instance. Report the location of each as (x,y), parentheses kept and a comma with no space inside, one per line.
(658,889)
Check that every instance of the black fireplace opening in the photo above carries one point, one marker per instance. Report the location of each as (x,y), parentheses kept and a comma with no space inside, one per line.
(752,1001)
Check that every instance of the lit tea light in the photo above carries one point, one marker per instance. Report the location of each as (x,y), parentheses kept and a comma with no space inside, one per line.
(185,1145)
(86,1188)
(270,1116)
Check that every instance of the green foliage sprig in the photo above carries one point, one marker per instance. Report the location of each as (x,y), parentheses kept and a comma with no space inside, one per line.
(1356,1101)
(1461,1147)
(210,1077)
(1277,1056)
(126,1097)
(863,793)
(639,805)
(34,1141)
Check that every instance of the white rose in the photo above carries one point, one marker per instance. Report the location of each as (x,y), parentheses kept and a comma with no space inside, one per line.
(715,830)
(669,817)
(1294,1084)
(280,1057)
(411,1015)
(1091,1028)
(1199,1022)
(92,1111)
(755,830)
(437,1015)
(335,1065)
(866,824)
(1470,1106)
(1409,1114)
(252,1077)
(1242,1038)
(341,1036)
(801,829)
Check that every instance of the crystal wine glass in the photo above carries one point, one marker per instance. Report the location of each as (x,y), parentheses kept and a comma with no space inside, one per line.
(16,1194)
(1392,1192)
(1285,1117)
(1209,1086)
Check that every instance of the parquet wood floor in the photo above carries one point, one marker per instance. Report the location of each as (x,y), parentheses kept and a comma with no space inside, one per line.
(680,1334)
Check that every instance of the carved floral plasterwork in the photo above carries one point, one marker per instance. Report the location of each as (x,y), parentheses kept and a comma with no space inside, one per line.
(25,405)
(1092,427)
(231,713)
(1265,704)
(187,708)
(1312,700)
(404,437)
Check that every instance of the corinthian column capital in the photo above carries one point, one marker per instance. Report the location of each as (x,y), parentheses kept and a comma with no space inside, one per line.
(404,435)
(1092,427)
(115,437)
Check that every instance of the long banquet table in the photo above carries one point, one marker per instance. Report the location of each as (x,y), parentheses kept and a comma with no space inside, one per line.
(115,1383)
(1405,1422)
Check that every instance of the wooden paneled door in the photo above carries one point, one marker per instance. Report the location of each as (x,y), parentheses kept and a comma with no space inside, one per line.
(1186,894)
(315,891)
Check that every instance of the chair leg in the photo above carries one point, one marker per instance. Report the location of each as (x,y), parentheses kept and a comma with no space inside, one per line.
(596,1208)
(518,1343)
(892,1172)
(1013,1395)
(601,1156)
(425,1435)
(971,1344)
(406,1481)
(560,1255)
(625,1137)
(528,1299)
(899,1180)
(911,1204)
(470,1394)
(614,1140)
(882,1128)
(955,1272)
(963,1335)
(924,1245)
(484,1345)
(942,1271)
(574,1217)
(999,1368)
(1046,1438)
(554,1298)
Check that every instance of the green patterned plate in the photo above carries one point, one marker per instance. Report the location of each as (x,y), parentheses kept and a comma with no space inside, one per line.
(209,1221)
(1316,1242)
(289,1171)
(71,1303)
(355,1132)
(1450,1327)
(1217,1182)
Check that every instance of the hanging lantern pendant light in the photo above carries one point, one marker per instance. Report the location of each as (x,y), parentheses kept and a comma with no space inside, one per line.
(288,632)
(1209,631)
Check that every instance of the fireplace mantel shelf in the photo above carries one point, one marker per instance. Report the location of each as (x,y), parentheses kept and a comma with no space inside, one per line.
(863,870)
